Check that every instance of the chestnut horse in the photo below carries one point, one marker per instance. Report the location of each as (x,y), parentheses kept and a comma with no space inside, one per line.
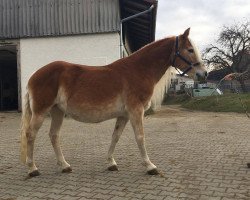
(121,90)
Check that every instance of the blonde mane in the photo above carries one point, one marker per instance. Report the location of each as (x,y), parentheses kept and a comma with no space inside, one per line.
(196,50)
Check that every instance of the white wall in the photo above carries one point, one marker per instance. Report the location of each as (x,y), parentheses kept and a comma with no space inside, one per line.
(161,88)
(93,49)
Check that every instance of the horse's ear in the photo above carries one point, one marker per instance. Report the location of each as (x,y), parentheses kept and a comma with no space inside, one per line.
(186,33)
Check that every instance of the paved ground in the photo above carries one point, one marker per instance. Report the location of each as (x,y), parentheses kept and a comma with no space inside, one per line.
(201,156)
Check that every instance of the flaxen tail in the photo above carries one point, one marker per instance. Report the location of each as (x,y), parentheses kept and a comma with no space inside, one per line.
(26,116)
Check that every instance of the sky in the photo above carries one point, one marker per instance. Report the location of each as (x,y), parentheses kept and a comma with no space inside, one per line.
(205,17)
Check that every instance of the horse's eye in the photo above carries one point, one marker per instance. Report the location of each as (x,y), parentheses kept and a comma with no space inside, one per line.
(190,50)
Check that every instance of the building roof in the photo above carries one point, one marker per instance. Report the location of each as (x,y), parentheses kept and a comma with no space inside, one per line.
(217,75)
(39,18)
(44,18)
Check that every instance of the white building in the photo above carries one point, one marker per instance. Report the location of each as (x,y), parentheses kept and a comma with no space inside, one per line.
(38,32)
(179,82)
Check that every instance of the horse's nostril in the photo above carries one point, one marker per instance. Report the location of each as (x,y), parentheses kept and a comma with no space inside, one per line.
(198,75)
(204,75)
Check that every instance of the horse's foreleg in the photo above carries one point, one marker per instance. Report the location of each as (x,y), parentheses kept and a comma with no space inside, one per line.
(35,124)
(56,121)
(136,119)
(119,127)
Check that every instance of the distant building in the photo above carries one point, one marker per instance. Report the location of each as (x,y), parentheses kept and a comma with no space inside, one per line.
(178,82)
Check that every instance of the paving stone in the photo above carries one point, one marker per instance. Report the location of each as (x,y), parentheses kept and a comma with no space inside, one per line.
(120,198)
(154,197)
(54,196)
(102,196)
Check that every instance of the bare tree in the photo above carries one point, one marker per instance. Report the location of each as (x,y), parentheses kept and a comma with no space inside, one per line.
(232,44)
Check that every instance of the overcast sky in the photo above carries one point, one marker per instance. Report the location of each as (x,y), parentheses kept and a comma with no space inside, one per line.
(205,17)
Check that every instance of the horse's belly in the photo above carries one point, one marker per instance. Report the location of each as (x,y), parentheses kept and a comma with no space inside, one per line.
(95,114)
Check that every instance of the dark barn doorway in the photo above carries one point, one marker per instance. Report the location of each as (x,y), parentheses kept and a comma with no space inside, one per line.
(8,78)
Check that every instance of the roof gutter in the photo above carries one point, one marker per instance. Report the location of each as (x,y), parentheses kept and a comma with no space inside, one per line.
(127,19)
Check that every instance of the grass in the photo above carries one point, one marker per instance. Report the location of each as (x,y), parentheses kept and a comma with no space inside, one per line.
(222,103)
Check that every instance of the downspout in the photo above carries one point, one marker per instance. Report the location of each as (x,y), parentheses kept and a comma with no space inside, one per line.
(127,19)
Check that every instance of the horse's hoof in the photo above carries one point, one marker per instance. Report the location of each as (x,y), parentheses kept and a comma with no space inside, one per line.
(67,170)
(34,173)
(113,168)
(153,172)
(248,165)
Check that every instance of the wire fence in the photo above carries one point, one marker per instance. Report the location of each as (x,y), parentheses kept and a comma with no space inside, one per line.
(231,86)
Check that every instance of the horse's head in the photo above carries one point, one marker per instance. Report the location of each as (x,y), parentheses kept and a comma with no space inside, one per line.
(187,58)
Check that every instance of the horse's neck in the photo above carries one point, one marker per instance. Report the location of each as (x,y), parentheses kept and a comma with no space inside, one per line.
(153,60)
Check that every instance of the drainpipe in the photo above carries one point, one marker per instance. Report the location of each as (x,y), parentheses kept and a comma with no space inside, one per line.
(127,19)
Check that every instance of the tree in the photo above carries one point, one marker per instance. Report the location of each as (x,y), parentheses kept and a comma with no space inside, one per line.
(231,47)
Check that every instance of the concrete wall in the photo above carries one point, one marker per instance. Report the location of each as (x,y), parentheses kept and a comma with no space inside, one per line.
(93,49)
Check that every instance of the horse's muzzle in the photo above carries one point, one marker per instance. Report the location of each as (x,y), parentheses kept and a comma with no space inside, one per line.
(201,77)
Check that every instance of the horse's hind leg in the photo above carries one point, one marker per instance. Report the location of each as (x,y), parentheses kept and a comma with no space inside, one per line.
(119,126)
(56,121)
(35,124)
